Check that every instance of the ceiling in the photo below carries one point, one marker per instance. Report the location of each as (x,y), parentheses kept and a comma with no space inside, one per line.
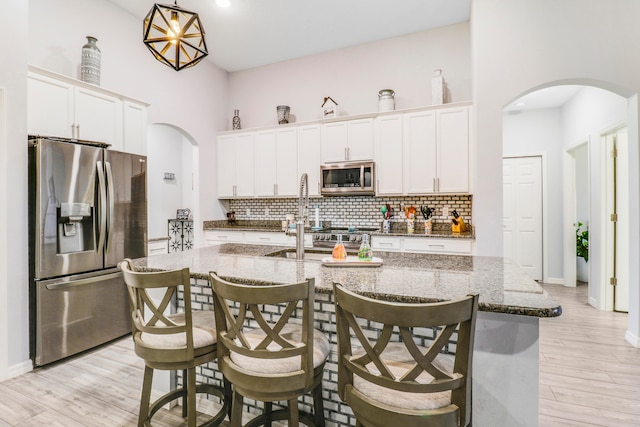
(550,97)
(253,33)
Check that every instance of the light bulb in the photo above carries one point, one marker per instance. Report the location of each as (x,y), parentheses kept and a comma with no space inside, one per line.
(174,24)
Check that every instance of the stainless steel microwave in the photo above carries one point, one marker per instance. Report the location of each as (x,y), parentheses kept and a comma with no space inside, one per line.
(348,179)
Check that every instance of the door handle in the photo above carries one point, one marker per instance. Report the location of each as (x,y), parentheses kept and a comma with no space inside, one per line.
(111,202)
(102,201)
(58,286)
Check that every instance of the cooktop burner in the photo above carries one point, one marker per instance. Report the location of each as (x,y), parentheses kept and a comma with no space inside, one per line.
(351,236)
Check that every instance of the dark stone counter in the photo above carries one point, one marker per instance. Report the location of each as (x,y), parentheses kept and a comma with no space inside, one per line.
(406,277)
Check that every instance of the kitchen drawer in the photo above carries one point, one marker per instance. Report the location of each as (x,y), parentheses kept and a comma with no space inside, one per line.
(385,243)
(218,237)
(157,247)
(266,238)
(431,245)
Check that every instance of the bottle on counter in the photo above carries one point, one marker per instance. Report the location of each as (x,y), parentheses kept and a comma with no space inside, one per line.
(365,253)
(339,251)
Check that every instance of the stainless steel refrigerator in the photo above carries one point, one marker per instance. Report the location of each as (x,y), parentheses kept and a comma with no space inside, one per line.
(87,211)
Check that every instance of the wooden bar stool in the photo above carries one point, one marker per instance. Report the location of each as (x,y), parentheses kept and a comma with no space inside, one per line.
(179,341)
(270,359)
(392,381)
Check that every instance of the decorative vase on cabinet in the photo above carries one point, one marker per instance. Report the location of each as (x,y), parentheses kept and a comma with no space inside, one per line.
(91,62)
(236,120)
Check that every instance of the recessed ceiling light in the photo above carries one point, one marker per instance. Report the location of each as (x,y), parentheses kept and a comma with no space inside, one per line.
(223,3)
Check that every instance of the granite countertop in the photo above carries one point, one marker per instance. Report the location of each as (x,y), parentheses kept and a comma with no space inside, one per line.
(404,277)
(398,229)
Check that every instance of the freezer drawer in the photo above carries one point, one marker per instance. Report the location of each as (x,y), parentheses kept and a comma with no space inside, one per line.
(76,313)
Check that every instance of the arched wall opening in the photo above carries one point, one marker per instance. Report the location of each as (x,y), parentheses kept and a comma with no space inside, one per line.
(555,119)
(172,177)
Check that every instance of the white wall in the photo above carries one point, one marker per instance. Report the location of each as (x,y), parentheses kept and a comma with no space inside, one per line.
(519,46)
(353,76)
(539,132)
(14,326)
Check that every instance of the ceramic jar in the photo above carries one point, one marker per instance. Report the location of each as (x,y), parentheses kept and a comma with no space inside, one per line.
(283,114)
(91,62)
(386,100)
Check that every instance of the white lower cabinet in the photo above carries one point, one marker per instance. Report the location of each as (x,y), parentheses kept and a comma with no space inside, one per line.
(266,238)
(386,243)
(157,247)
(219,237)
(433,245)
(422,245)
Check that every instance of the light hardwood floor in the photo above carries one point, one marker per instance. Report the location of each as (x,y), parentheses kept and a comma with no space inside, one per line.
(589,376)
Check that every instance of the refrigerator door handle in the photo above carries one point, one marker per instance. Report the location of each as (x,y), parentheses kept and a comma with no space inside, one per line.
(111,202)
(58,286)
(103,206)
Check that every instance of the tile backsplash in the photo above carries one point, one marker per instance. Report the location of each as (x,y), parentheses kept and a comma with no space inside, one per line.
(352,210)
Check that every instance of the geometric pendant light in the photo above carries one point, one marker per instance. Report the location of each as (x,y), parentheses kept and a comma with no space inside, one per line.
(175,36)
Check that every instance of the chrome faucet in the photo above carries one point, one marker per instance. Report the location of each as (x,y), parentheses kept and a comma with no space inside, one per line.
(303,203)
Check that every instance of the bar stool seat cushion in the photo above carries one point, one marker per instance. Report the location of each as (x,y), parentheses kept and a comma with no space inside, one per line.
(293,333)
(204,332)
(399,361)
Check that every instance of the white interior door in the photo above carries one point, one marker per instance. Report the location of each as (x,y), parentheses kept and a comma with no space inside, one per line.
(617,218)
(569,221)
(522,213)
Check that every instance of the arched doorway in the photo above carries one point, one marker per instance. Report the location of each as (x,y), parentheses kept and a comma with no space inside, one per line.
(555,120)
(172,180)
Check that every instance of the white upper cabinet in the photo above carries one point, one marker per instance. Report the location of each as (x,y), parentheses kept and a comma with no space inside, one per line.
(98,117)
(50,105)
(436,144)
(276,162)
(310,156)
(135,128)
(420,152)
(348,140)
(59,106)
(388,155)
(453,150)
(235,161)
(287,162)
(265,161)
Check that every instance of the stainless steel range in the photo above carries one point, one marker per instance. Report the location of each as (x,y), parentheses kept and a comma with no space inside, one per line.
(351,237)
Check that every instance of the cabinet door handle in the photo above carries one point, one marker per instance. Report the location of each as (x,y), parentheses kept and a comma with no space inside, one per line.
(438,182)
(385,244)
(346,156)
(434,185)
(77,131)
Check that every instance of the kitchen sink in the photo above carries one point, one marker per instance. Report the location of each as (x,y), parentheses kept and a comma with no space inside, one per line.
(309,254)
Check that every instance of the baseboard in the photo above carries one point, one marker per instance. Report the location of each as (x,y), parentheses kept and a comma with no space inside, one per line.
(632,339)
(554,281)
(593,303)
(19,369)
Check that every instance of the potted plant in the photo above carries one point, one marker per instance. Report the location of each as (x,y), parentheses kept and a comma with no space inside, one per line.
(582,242)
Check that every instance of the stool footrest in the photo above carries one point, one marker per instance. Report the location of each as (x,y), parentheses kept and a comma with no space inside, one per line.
(200,388)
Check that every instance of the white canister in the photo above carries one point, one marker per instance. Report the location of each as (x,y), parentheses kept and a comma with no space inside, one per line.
(386,100)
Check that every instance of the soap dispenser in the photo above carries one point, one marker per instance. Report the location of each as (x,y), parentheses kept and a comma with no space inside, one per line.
(339,251)
(365,253)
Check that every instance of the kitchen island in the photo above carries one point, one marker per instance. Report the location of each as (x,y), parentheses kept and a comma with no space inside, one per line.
(505,377)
